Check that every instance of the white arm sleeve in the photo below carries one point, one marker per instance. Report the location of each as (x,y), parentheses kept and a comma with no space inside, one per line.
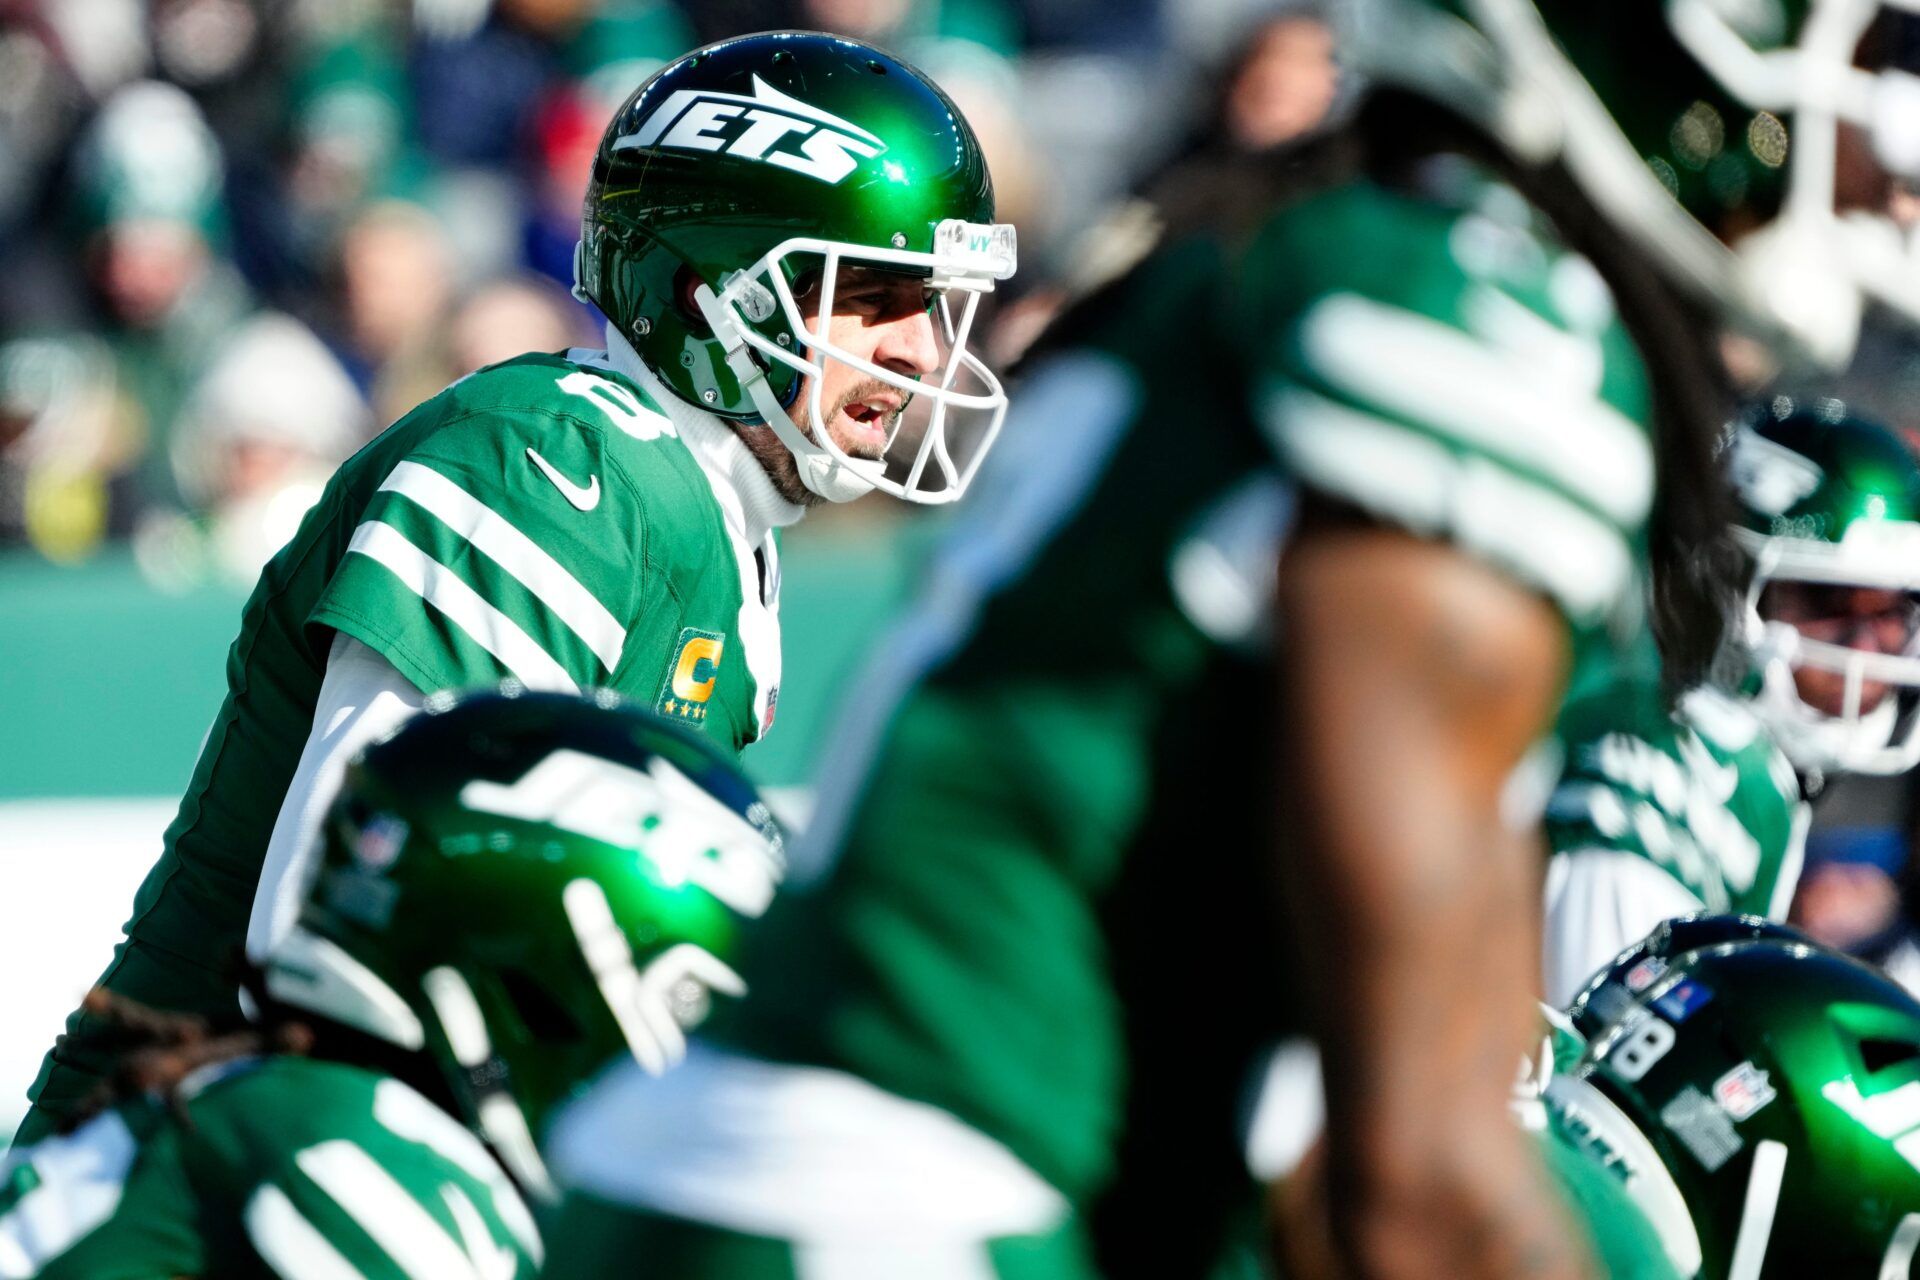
(1600,902)
(361,698)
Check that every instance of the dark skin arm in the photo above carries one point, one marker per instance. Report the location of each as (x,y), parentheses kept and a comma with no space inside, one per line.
(1414,679)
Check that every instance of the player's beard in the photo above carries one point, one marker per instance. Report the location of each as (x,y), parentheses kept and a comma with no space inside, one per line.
(783,469)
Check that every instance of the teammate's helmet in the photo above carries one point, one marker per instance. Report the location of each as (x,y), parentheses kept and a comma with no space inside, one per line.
(760,168)
(1684,118)
(523,888)
(1831,505)
(1760,1096)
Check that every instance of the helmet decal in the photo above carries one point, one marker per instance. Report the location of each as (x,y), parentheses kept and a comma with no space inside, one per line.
(767,125)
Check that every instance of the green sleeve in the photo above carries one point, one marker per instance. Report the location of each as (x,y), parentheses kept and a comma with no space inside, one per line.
(1459,376)
(504,545)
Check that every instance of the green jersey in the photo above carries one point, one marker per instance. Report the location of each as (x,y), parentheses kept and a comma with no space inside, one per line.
(1041,826)
(1662,811)
(542,520)
(266,1167)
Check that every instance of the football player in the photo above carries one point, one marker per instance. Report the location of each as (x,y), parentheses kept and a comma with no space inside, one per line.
(1668,814)
(1041,858)
(1753,1094)
(788,235)
(511,890)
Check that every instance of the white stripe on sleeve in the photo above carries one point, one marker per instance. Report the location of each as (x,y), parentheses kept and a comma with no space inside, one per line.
(291,1245)
(518,554)
(398,1223)
(446,591)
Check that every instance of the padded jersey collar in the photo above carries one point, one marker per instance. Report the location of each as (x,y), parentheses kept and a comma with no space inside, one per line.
(716,443)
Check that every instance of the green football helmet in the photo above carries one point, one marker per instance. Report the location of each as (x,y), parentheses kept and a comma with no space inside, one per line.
(524,886)
(761,168)
(1758,1095)
(1686,120)
(1830,504)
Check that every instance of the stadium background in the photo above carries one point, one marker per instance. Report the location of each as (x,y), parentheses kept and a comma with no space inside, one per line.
(238,237)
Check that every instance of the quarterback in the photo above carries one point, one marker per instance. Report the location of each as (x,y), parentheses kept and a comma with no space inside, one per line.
(788,235)
(511,891)
(1306,526)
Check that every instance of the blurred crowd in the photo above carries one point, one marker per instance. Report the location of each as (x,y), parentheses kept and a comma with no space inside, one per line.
(240,237)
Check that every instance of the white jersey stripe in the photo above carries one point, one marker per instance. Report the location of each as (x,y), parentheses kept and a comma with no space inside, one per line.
(398,1223)
(518,554)
(446,591)
(291,1245)
(1517,404)
(1417,480)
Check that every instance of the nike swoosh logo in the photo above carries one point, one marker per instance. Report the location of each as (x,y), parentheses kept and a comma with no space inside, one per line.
(584,499)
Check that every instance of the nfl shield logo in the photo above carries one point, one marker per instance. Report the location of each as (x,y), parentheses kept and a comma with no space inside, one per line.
(1743,1091)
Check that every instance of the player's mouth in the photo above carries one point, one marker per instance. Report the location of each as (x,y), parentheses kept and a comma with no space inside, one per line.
(866,423)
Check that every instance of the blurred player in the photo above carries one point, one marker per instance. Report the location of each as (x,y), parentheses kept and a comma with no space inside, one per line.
(774,229)
(511,891)
(1667,814)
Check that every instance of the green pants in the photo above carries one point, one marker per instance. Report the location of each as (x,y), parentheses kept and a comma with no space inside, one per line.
(591,1237)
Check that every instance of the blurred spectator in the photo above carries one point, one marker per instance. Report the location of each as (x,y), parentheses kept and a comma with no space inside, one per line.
(478,73)
(1850,897)
(1278,83)
(260,434)
(40,98)
(509,318)
(346,132)
(394,284)
(147,197)
(565,135)
(1284,86)
(103,41)
(201,42)
(67,441)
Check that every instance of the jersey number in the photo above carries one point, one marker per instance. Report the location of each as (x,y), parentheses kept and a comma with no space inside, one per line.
(619,404)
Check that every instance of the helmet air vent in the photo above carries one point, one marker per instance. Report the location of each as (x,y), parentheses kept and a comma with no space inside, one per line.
(1878,1054)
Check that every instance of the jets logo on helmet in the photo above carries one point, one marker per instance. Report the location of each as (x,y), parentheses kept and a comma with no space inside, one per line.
(1770,477)
(758,127)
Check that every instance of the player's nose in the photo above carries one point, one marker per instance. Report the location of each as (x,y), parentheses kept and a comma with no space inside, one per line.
(907,345)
